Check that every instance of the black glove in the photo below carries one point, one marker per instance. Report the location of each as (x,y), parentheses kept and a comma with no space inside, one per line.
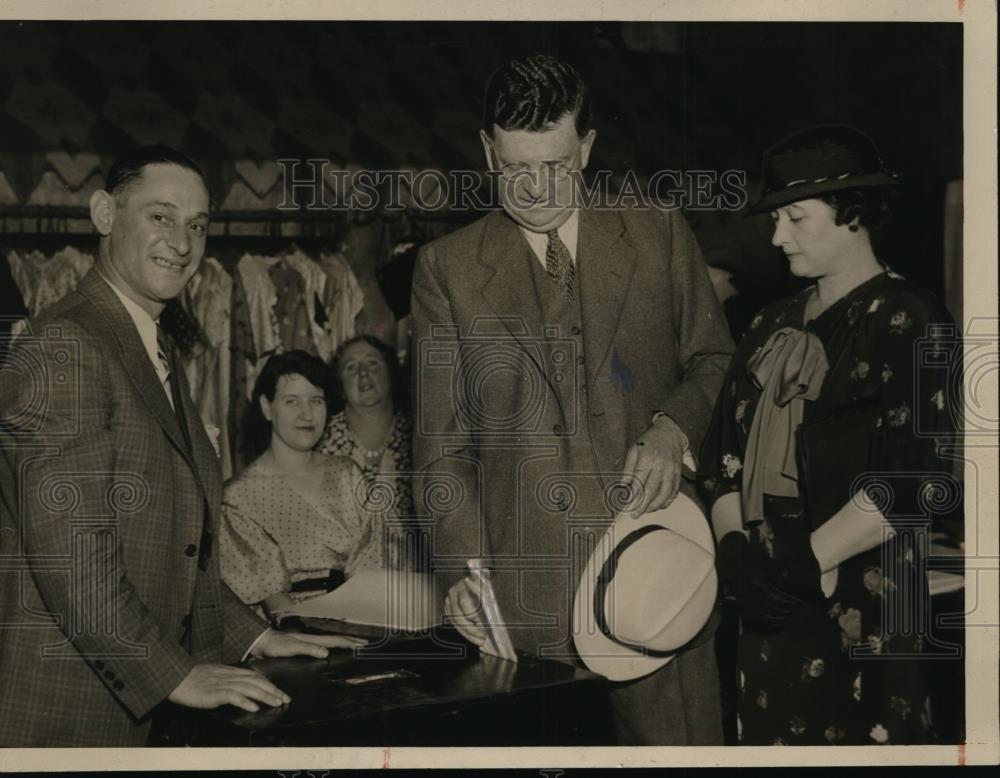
(796,569)
(768,592)
(730,563)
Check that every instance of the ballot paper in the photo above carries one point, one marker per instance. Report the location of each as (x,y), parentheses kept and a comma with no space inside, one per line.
(393,599)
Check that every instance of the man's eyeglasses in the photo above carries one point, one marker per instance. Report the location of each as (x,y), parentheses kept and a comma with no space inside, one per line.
(516,171)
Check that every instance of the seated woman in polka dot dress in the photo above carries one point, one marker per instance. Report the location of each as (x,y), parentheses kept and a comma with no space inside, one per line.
(296,523)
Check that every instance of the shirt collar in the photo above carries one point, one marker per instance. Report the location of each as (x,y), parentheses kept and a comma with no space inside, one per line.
(568,231)
(144,324)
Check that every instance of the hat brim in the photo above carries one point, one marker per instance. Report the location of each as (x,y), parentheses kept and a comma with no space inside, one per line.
(599,653)
(809,189)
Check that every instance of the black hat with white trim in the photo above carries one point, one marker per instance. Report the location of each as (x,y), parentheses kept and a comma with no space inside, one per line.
(817,161)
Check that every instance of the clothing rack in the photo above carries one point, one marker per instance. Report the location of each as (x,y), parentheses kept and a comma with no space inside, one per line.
(35,220)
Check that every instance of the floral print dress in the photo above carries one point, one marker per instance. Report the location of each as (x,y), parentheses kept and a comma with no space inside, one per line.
(388,484)
(847,670)
(396,463)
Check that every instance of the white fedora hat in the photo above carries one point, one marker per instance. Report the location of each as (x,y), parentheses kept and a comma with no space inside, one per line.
(647,590)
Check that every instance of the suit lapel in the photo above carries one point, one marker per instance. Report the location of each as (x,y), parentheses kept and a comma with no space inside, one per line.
(510,290)
(203,456)
(507,255)
(605,265)
(143,376)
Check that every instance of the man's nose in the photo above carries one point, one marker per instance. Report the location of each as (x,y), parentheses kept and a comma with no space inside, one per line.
(536,182)
(180,240)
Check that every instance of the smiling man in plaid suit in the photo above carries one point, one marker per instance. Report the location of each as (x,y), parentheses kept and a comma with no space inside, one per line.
(110,596)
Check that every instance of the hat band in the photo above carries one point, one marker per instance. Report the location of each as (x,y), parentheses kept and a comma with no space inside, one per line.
(819,165)
(824,179)
(604,579)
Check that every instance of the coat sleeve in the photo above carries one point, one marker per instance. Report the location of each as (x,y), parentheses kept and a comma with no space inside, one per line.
(721,458)
(59,406)
(918,360)
(446,487)
(241,627)
(704,345)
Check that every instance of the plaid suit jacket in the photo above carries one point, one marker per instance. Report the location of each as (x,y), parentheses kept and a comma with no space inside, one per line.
(109,592)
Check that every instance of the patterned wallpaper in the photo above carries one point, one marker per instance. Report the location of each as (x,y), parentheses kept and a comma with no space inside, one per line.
(237,96)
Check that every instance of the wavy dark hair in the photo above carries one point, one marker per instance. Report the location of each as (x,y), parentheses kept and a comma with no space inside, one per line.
(288,363)
(388,355)
(871,206)
(533,92)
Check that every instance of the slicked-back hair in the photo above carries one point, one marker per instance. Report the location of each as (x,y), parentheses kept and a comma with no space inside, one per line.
(127,169)
(534,92)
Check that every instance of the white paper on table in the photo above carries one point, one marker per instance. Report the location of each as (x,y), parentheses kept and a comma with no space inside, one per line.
(380,598)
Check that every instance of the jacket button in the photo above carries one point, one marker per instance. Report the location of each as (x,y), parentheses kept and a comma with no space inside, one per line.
(118,686)
(557,429)
(191,550)
(575,330)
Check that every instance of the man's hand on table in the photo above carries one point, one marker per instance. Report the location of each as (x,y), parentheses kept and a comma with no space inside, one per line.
(210,685)
(275,643)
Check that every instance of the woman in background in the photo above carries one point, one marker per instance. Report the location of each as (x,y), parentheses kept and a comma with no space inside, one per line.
(294,522)
(821,451)
(373,429)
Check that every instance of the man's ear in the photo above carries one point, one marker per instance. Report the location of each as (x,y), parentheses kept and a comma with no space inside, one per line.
(585,144)
(102,211)
(487,149)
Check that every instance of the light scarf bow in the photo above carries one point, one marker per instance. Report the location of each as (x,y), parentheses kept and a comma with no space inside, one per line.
(789,369)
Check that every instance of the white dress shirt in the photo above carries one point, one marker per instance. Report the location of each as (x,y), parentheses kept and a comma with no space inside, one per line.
(569,232)
(146,327)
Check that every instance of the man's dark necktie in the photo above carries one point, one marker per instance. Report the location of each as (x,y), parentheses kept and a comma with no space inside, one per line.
(559,264)
(165,353)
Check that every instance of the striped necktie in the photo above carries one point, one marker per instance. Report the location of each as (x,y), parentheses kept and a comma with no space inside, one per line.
(163,355)
(559,264)
(171,381)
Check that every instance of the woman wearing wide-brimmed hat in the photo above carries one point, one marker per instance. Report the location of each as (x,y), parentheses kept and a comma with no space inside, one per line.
(821,465)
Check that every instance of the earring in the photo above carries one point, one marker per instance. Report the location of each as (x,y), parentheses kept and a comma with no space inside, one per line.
(852,227)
